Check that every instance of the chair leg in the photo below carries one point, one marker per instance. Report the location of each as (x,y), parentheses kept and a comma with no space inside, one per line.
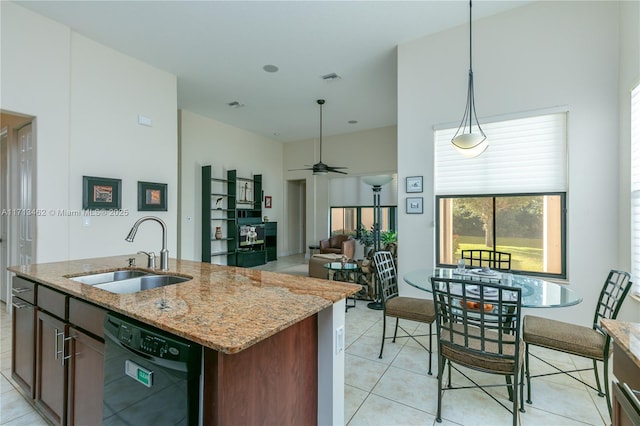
(384,329)
(514,391)
(528,373)
(606,385)
(430,348)
(522,410)
(595,371)
(395,332)
(441,362)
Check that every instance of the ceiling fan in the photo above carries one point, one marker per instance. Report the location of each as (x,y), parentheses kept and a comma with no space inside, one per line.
(321,168)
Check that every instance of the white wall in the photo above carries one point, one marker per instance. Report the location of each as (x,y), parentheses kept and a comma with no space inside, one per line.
(86,98)
(538,56)
(368,152)
(208,142)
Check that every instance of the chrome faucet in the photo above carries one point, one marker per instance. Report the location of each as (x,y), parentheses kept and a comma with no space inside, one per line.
(164,253)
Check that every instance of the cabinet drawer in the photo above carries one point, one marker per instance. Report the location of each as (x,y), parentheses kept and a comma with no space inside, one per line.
(24,289)
(52,301)
(86,316)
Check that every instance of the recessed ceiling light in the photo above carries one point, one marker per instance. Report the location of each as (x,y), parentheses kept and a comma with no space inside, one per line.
(352,121)
(270,68)
(276,134)
(235,104)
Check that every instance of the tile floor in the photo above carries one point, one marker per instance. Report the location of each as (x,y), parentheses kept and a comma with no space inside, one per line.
(394,390)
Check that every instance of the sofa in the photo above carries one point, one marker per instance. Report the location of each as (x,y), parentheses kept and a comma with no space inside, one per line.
(317,262)
(338,244)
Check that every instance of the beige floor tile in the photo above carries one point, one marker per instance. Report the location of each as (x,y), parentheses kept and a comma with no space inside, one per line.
(416,359)
(30,419)
(12,406)
(369,347)
(384,412)
(535,417)
(353,399)
(472,407)
(415,390)
(363,373)
(565,401)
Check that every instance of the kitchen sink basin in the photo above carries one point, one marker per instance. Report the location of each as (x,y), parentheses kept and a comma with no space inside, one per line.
(146,282)
(108,277)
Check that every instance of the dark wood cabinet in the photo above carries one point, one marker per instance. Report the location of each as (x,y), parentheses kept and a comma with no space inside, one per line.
(86,375)
(23,335)
(271,240)
(58,353)
(51,368)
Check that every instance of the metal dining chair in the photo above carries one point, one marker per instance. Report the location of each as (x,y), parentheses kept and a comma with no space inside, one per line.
(478,327)
(400,307)
(487,258)
(589,342)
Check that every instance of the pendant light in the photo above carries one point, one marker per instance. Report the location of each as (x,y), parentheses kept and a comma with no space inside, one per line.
(468,142)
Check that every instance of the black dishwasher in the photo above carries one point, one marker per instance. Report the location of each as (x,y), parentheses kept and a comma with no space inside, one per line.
(151,377)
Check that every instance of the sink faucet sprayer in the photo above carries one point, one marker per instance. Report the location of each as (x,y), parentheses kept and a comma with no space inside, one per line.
(164,253)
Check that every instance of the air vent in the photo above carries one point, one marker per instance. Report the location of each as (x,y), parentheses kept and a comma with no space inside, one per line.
(331,77)
(235,104)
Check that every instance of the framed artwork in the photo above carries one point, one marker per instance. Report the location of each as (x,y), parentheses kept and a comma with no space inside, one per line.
(152,196)
(101,193)
(267,201)
(414,183)
(244,194)
(414,205)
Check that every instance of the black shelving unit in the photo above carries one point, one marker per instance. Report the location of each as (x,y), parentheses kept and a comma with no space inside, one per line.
(271,240)
(218,209)
(220,202)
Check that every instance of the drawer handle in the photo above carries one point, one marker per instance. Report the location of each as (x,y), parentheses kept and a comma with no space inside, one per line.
(56,351)
(20,305)
(18,290)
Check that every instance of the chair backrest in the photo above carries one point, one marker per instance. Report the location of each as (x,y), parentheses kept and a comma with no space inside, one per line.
(613,292)
(493,259)
(386,273)
(478,318)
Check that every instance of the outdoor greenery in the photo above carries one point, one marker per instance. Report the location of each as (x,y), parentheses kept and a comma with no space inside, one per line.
(526,254)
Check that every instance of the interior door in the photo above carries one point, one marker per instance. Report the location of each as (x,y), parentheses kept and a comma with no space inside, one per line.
(4,218)
(26,222)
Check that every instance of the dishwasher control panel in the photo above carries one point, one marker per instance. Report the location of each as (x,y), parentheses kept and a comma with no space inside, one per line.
(147,340)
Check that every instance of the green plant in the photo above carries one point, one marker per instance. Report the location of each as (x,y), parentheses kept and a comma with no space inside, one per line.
(388,237)
(366,236)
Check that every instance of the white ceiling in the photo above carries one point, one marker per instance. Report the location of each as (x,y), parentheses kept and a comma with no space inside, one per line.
(217,50)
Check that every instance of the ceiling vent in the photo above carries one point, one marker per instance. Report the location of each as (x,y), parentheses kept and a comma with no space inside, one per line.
(235,104)
(331,77)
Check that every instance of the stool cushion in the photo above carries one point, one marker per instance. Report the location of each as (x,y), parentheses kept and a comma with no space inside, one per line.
(564,337)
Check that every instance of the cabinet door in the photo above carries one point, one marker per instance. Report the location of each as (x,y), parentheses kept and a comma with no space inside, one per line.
(51,368)
(86,375)
(24,345)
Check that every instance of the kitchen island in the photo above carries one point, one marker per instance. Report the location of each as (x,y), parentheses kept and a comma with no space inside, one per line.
(273,343)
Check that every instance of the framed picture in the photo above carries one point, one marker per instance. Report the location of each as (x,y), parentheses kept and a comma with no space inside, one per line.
(414,205)
(101,193)
(152,196)
(244,194)
(414,183)
(267,201)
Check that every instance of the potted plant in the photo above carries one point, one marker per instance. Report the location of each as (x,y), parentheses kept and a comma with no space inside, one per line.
(365,238)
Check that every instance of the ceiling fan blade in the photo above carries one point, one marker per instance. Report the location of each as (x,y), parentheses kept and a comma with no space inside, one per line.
(335,169)
(295,170)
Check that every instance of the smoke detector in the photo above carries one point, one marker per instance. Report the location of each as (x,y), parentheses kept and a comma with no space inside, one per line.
(331,77)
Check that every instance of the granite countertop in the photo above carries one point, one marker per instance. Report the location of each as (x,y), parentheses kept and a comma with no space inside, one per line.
(626,335)
(224,308)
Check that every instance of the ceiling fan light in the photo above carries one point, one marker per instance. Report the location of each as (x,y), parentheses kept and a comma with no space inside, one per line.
(320,172)
(470,144)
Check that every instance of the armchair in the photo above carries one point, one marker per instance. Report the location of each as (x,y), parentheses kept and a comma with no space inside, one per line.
(339,244)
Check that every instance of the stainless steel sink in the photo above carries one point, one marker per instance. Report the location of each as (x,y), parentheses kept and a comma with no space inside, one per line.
(108,277)
(134,285)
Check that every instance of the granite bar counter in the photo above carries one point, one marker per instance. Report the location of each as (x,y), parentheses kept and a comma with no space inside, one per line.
(270,340)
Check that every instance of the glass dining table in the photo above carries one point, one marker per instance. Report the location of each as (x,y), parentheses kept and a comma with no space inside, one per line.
(536,292)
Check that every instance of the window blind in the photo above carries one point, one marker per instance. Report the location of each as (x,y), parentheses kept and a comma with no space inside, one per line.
(524,155)
(635,188)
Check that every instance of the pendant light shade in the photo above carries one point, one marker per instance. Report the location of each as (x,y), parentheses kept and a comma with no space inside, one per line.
(469,139)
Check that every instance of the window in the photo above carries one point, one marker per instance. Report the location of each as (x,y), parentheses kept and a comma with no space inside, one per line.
(511,198)
(529,226)
(347,220)
(635,187)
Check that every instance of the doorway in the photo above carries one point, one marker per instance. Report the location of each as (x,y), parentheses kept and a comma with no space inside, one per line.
(297,216)
(17,196)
